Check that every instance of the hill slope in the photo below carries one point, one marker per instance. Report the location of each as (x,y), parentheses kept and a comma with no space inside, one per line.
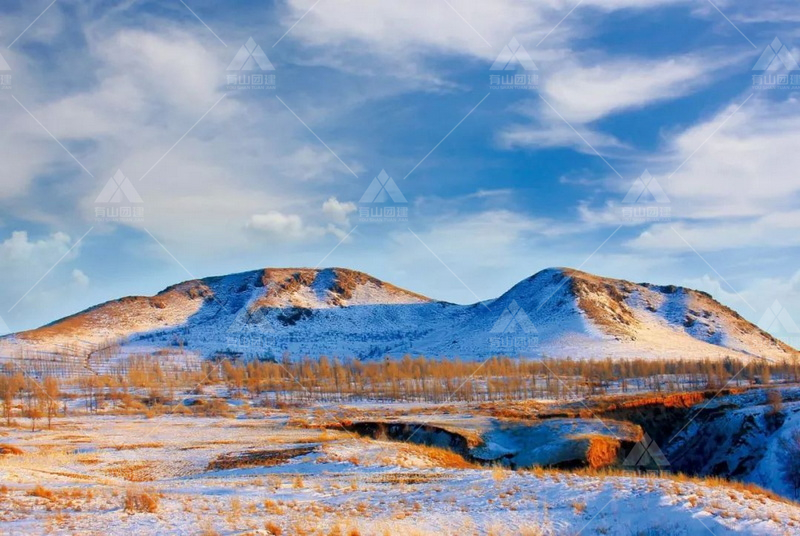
(557,312)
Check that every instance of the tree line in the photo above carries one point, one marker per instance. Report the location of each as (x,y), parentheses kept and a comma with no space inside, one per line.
(153,381)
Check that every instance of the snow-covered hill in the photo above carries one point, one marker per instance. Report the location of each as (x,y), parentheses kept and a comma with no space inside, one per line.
(557,312)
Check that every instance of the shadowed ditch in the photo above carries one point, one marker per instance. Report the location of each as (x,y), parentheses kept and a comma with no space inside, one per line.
(513,444)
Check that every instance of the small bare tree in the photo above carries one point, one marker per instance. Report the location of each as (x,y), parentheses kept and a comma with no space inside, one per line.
(10,387)
(34,394)
(51,394)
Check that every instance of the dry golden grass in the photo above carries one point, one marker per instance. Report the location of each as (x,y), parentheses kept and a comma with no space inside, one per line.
(440,457)
(141,500)
(136,446)
(601,450)
(273,508)
(273,528)
(41,491)
(132,471)
(499,473)
(207,529)
(749,491)
(579,507)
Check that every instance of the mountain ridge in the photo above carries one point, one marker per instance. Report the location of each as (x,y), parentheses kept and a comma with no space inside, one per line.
(557,312)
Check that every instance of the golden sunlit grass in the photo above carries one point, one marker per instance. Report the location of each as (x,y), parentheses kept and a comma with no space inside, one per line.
(273,528)
(139,500)
(136,446)
(41,491)
(601,450)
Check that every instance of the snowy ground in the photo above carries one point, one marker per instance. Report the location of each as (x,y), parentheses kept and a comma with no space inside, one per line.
(86,467)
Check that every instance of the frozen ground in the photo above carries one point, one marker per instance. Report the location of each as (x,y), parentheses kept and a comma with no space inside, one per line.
(339,484)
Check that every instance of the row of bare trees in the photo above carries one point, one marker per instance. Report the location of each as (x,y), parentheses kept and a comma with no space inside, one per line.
(148,380)
(412,379)
(35,399)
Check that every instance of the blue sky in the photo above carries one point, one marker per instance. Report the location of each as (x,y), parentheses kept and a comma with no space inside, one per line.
(500,183)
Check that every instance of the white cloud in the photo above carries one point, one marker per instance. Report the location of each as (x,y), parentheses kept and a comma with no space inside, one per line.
(496,234)
(18,252)
(777,230)
(283,226)
(338,211)
(740,163)
(733,182)
(400,32)
(586,93)
(583,93)
(23,261)
(79,278)
(146,91)
(292,227)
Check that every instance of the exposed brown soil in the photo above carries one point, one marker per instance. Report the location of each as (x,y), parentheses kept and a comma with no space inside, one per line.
(10,449)
(603,301)
(286,281)
(257,458)
(136,312)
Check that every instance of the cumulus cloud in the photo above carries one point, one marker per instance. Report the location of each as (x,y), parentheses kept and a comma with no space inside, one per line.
(338,211)
(79,278)
(284,226)
(19,252)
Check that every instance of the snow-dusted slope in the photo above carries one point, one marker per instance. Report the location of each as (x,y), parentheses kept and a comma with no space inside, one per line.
(742,437)
(337,312)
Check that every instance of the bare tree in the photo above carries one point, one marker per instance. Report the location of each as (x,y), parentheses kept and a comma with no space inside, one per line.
(10,387)
(34,393)
(51,393)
